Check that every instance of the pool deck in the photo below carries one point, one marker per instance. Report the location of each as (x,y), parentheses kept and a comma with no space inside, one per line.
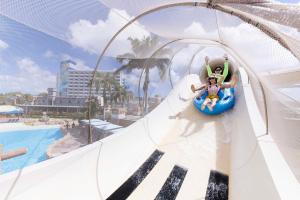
(4,127)
(73,139)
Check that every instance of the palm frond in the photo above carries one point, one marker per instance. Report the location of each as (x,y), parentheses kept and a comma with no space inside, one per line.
(125,56)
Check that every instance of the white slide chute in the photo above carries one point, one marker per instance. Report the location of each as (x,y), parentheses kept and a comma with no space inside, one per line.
(234,144)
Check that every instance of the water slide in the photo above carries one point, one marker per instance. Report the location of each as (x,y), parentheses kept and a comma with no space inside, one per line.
(172,140)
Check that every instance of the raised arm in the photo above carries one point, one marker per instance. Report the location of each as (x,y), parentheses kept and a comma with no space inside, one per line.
(209,72)
(220,79)
(226,64)
(193,88)
(232,83)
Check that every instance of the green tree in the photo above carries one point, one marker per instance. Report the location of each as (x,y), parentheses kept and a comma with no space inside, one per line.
(94,107)
(43,94)
(120,94)
(108,83)
(139,59)
(28,98)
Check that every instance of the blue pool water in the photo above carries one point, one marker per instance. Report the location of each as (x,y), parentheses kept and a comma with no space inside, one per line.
(36,142)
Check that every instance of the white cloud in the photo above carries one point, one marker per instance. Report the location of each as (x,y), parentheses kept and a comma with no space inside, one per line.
(3,45)
(80,64)
(133,77)
(29,77)
(260,51)
(196,30)
(155,85)
(93,37)
(154,78)
(49,54)
(257,49)
(293,32)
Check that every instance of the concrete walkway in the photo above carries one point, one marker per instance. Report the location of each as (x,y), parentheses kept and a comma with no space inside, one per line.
(73,139)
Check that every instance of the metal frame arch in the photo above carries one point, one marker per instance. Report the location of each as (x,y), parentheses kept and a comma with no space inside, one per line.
(193,57)
(223,8)
(152,55)
(209,4)
(166,44)
(170,66)
(234,54)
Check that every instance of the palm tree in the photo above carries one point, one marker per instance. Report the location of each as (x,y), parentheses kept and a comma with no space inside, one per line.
(139,59)
(108,83)
(94,107)
(121,94)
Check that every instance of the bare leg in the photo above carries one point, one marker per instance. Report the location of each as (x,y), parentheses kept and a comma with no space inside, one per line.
(209,107)
(214,101)
(206,101)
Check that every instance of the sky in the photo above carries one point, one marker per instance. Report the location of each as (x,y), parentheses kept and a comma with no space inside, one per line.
(290,1)
(30,58)
(35,39)
(26,53)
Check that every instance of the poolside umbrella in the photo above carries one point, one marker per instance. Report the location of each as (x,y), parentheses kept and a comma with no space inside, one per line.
(10,110)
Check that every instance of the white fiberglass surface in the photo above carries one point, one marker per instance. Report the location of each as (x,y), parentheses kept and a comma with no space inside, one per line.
(292,92)
(157,62)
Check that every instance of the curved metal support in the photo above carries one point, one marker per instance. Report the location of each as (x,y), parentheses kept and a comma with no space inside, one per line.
(225,9)
(192,59)
(246,66)
(235,55)
(170,66)
(262,27)
(152,55)
(113,38)
(245,17)
(139,94)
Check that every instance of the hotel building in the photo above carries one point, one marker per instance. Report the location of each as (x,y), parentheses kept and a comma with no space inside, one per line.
(75,83)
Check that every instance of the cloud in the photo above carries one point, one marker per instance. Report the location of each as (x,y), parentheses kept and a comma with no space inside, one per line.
(49,54)
(92,37)
(29,78)
(290,31)
(260,51)
(80,64)
(132,79)
(3,45)
(196,30)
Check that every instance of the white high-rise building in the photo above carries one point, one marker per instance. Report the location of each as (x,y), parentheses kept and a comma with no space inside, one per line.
(75,83)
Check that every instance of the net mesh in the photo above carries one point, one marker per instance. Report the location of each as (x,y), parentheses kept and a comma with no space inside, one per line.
(263,34)
(253,31)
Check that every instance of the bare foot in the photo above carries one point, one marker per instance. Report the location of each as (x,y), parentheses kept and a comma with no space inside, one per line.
(202,107)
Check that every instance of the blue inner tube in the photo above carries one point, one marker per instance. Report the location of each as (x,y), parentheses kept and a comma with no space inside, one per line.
(226,101)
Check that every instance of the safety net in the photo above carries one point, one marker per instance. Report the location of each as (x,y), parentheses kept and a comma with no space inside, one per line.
(156,43)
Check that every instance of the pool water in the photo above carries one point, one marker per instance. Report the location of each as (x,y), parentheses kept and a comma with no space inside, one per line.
(36,142)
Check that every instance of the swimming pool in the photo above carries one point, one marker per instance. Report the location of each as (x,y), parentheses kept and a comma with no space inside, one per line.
(36,141)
